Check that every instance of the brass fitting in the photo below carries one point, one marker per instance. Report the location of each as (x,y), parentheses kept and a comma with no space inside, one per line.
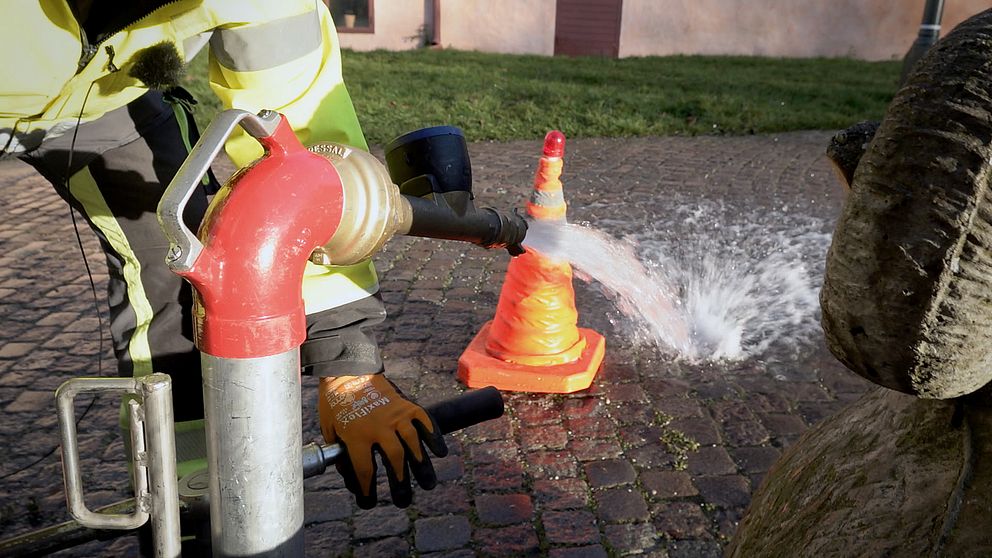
(374,209)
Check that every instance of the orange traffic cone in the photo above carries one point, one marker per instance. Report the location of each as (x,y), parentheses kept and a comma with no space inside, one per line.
(533,344)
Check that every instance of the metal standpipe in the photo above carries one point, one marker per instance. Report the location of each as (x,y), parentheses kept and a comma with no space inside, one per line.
(254,452)
(249,324)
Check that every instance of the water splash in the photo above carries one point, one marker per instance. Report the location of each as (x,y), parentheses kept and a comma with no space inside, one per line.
(705,287)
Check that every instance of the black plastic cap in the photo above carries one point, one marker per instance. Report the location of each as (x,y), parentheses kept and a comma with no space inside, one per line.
(430,160)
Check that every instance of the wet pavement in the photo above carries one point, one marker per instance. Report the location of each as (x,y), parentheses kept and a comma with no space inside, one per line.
(658,458)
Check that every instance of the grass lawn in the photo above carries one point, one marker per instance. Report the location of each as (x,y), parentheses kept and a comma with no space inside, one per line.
(505,97)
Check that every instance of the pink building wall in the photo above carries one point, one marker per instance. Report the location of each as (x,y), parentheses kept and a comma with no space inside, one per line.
(866,29)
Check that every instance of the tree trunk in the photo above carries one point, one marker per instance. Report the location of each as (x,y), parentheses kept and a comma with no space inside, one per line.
(907,293)
(889,475)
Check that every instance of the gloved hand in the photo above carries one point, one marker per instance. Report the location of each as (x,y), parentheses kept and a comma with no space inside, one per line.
(368,414)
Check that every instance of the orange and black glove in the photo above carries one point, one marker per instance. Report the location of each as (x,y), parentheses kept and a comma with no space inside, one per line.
(367,414)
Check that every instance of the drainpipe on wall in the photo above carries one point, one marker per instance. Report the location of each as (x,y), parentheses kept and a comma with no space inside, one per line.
(928,36)
(435,19)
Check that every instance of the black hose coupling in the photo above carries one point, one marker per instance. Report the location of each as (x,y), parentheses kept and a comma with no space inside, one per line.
(433,171)
(509,233)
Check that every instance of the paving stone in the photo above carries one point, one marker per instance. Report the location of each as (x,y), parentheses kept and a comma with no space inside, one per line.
(551,464)
(711,461)
(678,407)
(745,433)
(630,538)
(783,426)
(625,393)
(503,509)
(538,411)
(448,468)
(650,456)
(325,505)
(681,520)
(590,450)
(586,407)
(609,472)
(667,387)
(591,551)
(32,401)
(727,522)
(617,372)
(570,527)
(561,494)
(695,549)
(442,533)
(14,350)
(381,521)
(729,491)
(773,402)
(498,476)
(549,436)
(639,435)
(328,539)
(668,484)
(713,388)
(493,451)
(444,499)
(591,427)
(634,414)
(513,541)
(464,553)
(703,430)
(809,391)
(621,504)
(392,547)
(755,460)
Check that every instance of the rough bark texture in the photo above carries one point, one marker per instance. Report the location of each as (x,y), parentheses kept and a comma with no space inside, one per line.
(847,147)
(890,475)
(907,294)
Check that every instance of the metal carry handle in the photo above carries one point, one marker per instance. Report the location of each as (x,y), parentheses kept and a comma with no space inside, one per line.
(184,247)
(153,453)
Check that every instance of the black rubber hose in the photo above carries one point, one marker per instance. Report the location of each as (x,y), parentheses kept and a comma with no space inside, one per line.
(485,227)
(467,409)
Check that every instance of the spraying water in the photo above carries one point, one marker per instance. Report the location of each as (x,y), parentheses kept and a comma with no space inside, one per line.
(729,291)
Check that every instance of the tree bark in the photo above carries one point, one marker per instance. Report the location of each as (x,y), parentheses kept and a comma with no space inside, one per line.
(889,475)
(907,293)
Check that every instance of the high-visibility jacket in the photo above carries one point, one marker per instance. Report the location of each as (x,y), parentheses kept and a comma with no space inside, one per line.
(280,55)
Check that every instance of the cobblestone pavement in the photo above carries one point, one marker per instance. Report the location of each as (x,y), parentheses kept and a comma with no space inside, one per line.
(589,474)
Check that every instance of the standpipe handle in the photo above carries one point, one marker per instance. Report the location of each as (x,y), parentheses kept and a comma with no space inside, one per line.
(153,451)
(184,247)
(468,409)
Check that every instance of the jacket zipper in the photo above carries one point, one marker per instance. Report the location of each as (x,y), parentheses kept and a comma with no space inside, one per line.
(90,50)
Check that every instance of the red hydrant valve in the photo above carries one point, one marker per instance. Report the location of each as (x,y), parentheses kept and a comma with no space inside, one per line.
(248,259)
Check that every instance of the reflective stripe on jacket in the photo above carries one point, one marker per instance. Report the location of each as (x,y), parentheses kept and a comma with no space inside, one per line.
(263,55)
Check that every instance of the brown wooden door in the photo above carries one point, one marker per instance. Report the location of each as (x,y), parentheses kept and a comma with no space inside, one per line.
(588,27)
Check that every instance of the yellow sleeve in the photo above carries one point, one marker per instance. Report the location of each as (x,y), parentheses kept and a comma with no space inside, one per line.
(288,64)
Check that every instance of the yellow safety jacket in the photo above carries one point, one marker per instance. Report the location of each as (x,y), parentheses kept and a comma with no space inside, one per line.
(264,54)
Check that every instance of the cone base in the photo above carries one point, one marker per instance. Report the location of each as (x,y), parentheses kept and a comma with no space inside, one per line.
(477,369)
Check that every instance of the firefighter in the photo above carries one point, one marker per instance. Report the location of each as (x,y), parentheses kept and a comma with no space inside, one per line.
(91,99)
